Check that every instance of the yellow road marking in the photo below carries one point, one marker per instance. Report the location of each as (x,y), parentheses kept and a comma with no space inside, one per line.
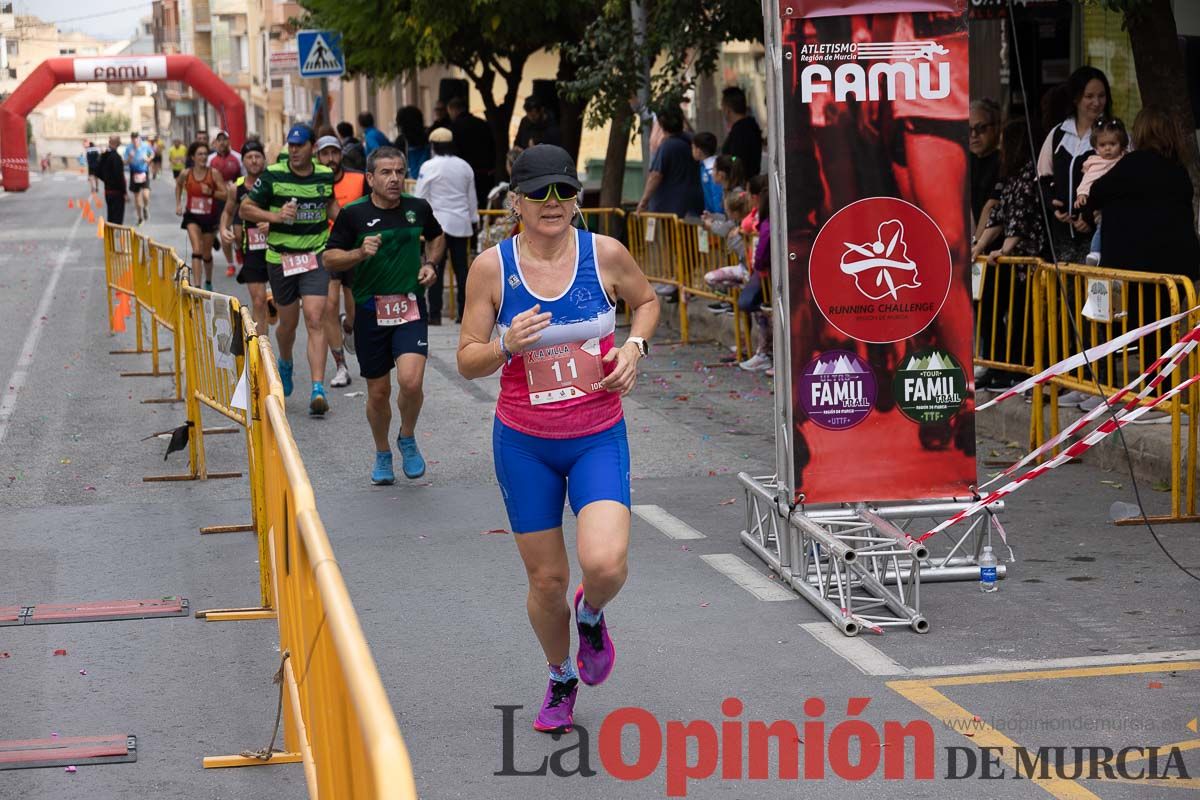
(1050,674)
(957,718)
(921,692)
(1168,783)
(1190,744)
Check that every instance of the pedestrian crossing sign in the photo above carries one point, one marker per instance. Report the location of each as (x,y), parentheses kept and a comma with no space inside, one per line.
(320,54)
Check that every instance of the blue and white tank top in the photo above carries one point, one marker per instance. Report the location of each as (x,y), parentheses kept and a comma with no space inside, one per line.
(581,313)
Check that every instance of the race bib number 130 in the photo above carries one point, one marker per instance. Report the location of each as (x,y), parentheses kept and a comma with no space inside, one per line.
(564,371)
(297,263)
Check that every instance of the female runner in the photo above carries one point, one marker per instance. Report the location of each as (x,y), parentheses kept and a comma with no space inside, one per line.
(559,429)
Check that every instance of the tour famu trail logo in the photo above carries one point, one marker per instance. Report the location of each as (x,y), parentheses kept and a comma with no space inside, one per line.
(930,386)
(882,267)
(837,390)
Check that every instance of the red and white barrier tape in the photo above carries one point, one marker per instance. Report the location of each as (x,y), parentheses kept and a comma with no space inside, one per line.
(1090,355)
(1077,449)
(1168,362)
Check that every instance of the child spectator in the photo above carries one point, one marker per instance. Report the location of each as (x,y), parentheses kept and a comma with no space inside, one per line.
(751,298)
(1110,140)
(737,207)
(729,172)
(704,150)
(755,186)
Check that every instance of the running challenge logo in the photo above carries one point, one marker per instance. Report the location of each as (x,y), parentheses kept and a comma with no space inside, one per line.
(880,270)
(892,70)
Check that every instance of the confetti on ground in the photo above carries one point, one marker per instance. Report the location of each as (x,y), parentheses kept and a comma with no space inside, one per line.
(492,531)
(70,770)
(60,652)
(355,394)
(728,502)
(1156,685)
(704,605)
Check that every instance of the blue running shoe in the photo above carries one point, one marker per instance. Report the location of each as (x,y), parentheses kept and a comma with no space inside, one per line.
(411,460)
(382,475)
(318,404)
(285,377)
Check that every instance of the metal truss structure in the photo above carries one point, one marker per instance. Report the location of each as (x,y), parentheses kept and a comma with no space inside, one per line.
(859,564)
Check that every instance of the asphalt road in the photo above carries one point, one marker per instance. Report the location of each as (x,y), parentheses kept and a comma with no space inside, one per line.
(442,600)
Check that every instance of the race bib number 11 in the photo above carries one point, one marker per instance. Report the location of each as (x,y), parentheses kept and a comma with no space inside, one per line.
(562,372)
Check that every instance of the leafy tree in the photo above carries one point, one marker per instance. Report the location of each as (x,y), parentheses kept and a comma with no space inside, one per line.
(489,40)
(106,122)
(683,39)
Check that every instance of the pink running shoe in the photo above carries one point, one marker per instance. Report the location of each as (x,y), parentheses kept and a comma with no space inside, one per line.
(596,655)
(558,709)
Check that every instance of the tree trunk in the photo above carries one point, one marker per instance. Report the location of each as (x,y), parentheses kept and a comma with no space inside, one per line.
(613,182)
(570,112)
(1160,75)
(499,115)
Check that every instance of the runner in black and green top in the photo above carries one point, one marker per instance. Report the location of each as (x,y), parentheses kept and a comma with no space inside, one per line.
(296,198)
(380,237)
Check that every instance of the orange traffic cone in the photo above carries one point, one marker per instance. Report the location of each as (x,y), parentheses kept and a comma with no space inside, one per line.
(122,312)
(100,228)
(91,215)
(70,202)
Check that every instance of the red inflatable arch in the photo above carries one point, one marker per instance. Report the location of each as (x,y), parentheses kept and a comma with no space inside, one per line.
(14,154)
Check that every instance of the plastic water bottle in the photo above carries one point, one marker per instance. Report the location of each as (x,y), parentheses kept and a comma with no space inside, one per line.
(1120,510)
(987,570)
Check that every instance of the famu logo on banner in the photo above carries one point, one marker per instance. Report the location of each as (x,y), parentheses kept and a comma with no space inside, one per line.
(893,75)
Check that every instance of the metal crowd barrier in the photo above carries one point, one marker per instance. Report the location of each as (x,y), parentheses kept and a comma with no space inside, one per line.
(337,719)
(336,716)
(1099,304)
(1031,314)
(1010,327)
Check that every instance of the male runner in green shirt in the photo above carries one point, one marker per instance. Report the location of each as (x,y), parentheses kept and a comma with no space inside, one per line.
(380,237)
(296,198)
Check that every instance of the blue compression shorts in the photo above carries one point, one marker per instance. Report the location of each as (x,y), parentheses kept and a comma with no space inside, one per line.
(536,475)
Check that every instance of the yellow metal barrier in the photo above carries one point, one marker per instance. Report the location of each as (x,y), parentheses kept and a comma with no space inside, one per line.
(1100,304)
(606,221)
(337,718)
(699,252)
(1010,335)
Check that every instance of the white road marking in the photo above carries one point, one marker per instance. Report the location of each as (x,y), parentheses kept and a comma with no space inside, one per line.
(1164,656)
(749,578)
(15,382)
(871,661)
(668,524)
(866,657)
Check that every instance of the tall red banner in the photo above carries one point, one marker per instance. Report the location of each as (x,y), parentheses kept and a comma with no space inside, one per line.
(875,151)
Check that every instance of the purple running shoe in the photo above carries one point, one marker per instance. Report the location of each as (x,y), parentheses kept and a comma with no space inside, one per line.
(596,655)
(558,709)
